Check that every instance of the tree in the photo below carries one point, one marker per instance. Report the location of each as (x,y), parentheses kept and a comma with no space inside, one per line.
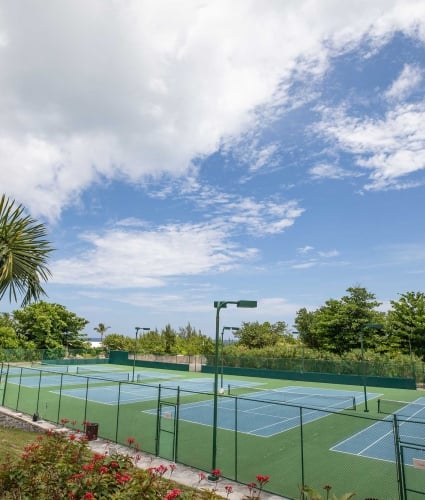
(50,326)
(118,342)
(23,254)
(169,336)
(256,335)
(304,323)
(406,323)
(339,324)
(101,329)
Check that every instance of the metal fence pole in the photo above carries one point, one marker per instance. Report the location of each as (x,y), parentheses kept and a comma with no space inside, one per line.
(302,446)
(60,399)
(118,413)
(85,403)
(236,439)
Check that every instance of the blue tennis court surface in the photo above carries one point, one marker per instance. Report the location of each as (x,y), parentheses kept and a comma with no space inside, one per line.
(267,417)
(52,376)
(377,441)
(133,393)
(54,380)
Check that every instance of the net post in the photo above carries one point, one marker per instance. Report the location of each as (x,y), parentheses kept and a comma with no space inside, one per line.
(379,405)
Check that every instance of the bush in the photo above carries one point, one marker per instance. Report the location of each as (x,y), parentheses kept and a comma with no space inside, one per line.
(62,466)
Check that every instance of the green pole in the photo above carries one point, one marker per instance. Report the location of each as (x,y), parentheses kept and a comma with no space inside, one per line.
(215,410)
(219,305)
(366,409)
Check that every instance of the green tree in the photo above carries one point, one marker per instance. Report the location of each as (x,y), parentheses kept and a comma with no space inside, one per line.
(50,326)
(256,335)
(169,336)
(339,324)
(406,323)
(118,342)
(304,323)
(152,342)
(101,329)
(23,254)
(8,338)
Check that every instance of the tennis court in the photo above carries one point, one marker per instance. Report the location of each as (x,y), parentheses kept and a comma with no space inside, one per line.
(265,413)
(133,393)
(341,449)
(377,440)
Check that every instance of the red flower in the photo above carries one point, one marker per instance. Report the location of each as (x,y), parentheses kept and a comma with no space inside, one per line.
(130,440)
(121,479)
(228,489)
(173,494)
(88,496)
(262,479)
(161,470)
(72,437)
(114,465)
(251,486)
(103,469)
(216,472)
(201,476)
(64,421)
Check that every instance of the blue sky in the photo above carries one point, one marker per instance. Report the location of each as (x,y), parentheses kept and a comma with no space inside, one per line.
(182,153)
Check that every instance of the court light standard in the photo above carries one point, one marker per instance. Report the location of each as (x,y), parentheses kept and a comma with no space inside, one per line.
(375,326)
(135,347)
(232,328)
(218,305)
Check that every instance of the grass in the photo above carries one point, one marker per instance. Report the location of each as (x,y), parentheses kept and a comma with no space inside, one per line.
(12,441)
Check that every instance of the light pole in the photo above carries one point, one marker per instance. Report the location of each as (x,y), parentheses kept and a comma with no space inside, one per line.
(375,326)
(232,328)
(135,346)
(218,305)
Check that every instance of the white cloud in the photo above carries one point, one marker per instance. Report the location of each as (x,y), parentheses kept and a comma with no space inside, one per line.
(124,90)
(169,251)
(391,147)
(408,80)
(326,171)
(305,249)
(328,254)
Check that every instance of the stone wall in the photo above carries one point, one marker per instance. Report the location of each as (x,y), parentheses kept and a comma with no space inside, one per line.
(13,420)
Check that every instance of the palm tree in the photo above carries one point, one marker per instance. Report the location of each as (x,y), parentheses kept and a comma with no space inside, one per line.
(101,328)
(23,253)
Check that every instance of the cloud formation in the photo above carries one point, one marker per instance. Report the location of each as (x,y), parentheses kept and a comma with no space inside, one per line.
(94,91)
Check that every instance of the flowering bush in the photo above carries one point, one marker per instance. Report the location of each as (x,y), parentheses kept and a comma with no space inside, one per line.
(59,466)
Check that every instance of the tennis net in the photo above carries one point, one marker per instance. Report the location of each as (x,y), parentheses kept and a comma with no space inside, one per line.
(412,410)
(305,399)
(106,375)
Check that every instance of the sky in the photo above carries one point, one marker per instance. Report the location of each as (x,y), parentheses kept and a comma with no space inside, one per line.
(182,153)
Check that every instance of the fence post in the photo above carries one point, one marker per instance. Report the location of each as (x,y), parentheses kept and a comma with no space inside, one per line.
(399,461)
(236,438)
(302,447)
(118,413)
